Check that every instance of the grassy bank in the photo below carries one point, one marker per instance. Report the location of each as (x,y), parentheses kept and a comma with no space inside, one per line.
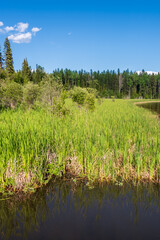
(116,142)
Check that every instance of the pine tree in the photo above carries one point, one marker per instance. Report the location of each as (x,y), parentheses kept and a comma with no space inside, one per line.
(8,57)
(26,71)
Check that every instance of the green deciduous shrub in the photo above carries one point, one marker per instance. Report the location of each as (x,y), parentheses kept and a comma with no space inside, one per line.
(31,93)
(11,94)
(90,101)
(84,96)
(79,95)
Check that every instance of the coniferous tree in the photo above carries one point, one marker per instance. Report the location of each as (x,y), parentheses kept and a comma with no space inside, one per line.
(153,86)
(8,57)
(39,74)
(26,71)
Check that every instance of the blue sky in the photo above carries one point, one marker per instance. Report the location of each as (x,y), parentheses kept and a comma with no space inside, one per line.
(96,35)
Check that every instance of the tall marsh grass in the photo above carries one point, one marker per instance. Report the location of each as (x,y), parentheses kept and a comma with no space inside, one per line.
(116,142)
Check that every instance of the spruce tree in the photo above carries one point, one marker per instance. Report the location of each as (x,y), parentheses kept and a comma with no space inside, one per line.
(8,57)
(26,71)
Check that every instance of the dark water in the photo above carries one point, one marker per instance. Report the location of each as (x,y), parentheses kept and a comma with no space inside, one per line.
(154,107)
(71,211)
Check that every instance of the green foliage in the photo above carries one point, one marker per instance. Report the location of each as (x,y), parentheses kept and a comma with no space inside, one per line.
(26,71)
(18,78)
(103,84)
(79,95)
(90,101)
(3,74)
(93,91)
(84,96)
(8,57)
(1,94)
(113,98)
(52,96)
(39,74)
(50,88)
(31,93)
(12,94)
(117,142)
(59,106)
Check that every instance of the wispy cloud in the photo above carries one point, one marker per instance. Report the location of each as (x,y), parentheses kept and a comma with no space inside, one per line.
(1,24)
(69,33)
(8,29)
(21,37)
(21,27)
(35,30)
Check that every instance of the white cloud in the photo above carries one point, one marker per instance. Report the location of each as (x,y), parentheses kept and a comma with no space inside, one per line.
(21,37)
(21,27)
(9,29)
(35,30)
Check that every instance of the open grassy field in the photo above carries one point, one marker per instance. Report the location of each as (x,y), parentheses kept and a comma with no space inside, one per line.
(117,142)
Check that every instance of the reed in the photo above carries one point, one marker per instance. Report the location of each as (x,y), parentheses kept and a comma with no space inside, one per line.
(117,142)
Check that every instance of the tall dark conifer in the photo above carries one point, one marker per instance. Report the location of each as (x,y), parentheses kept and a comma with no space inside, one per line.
(26,71)
(8,57)
(153,85)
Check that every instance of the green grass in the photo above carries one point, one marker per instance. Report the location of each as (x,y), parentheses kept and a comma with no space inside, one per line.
(117,142)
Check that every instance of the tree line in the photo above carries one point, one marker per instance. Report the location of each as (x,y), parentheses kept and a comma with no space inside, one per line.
(126,84)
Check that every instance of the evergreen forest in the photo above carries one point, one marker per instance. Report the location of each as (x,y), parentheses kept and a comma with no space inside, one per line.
(16,86)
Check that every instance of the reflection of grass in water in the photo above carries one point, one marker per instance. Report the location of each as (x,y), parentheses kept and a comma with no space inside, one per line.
(23,214)
(117,142)
(155,107)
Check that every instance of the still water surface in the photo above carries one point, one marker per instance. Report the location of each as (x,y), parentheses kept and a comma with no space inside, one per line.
(65,210)
(154,107)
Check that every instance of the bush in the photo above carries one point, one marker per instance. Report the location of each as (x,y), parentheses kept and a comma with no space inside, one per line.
(90,101)
(83,97)
(59,107)
(12,94)
(93,91)
(31,93)
(3,74)
(50,89)
(79,95)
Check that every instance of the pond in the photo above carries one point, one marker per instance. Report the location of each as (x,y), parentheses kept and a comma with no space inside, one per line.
(71,210)
(153,106)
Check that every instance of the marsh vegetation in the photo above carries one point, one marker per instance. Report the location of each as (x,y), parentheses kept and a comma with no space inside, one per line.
(116,142)
(59,125)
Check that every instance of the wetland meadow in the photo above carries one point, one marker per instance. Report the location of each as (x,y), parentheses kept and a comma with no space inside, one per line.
(79,153)
(94,174)
(117,142)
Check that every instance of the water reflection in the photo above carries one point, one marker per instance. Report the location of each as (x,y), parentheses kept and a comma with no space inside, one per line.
(155,107)
(73,211)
